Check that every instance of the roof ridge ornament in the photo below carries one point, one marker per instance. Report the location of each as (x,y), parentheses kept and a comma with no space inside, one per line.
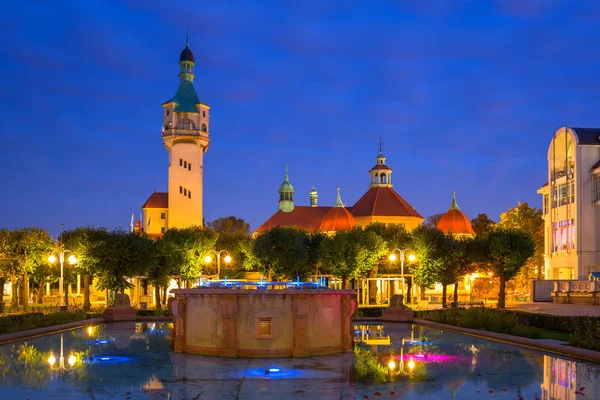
(454,205)
(338,199)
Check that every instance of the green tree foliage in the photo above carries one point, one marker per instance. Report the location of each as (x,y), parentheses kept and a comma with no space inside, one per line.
(232,244)
(508,250)
(432,220)
(9,267)
(123,255)
(33,246)
(528,219)
(81,242)
(482,224)
(313,242)
(395,237)
(282,252)
(183,251)
(439,257)
(230,224)
(352,253)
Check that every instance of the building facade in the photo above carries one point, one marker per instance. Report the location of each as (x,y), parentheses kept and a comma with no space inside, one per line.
(571,201)
(185,134)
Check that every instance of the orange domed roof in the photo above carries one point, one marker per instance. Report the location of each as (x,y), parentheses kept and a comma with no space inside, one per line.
(455,221)
(337,219)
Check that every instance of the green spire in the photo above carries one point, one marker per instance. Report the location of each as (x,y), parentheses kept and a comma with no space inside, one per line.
(454,205)
(338,199)
(286,194)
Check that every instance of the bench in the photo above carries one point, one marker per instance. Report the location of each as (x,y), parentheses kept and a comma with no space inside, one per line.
(470,304)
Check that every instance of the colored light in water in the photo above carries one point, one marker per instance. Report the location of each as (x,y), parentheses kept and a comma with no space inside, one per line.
(274,370)
(392,364)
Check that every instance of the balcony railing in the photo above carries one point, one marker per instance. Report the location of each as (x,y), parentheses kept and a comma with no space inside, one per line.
(560,172)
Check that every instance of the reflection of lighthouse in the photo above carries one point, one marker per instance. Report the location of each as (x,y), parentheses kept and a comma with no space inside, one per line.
(564,379)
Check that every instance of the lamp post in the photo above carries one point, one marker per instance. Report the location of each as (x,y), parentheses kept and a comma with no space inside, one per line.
(61,363)
(61,256)
(401,370)
(208,259)
(411,257)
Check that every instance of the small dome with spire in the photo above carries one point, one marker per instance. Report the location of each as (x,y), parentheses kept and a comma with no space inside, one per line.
(313,197)
(455,221)
(186,54)
(338,218)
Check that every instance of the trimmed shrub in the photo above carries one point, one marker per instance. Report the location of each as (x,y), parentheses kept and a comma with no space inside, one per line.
(22,322)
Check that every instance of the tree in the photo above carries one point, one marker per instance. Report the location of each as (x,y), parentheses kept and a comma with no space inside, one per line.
(184,251)
(81,242)
(438,257)
(482,224)
(313,241)
(232,243)
(528,219)
(230,224)
(123,255)
(432,220)
(33,245)
(8,259)
(282,251)
(352,253)
(508,250)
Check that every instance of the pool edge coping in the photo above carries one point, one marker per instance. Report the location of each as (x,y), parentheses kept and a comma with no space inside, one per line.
(560,349)
(33,333)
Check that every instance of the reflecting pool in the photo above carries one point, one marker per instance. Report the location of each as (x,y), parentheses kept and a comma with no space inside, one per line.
(132,360)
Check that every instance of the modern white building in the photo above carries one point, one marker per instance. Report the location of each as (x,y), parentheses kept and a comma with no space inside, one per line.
(571,204)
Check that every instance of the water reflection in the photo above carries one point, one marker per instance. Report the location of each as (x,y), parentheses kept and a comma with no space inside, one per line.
(117,360)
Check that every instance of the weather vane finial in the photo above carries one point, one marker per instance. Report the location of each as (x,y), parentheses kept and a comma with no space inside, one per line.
(186,35)
(380,144)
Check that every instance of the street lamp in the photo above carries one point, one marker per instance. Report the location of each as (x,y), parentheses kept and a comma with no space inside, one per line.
(227,259)
(401,370)
(61,256)
(411,257)
(71,361)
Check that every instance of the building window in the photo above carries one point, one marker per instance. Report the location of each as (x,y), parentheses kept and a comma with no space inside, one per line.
(180,189)
(204,113)
(163,215)
(189,194)
(162,229)
(180,162)
(563,194)
(563,235)
(186,124)
(264,328)
(189,166)
(185,164)
(546,203)
(167,113)
(185,192)
(204,128)
(596,188)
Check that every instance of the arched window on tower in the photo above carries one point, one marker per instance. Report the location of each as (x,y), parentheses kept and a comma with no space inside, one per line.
(204,128)
(376,179)
(186,123)
(383,178)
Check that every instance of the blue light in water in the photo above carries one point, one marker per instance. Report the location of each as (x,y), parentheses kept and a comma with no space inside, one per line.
(108,359)
(274,370)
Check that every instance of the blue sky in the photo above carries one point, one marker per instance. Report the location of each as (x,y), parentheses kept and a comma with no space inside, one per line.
(466,95)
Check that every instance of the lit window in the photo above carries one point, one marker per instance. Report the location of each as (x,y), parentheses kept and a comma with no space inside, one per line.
(596,187)
(163,215)
(264,328)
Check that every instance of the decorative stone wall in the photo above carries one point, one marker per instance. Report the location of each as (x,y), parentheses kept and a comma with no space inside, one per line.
(262,323)
(577,292)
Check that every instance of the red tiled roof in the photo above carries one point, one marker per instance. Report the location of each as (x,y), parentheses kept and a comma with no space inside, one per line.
(455,222)
(545,184)
(157,200)
(302,217)
(380,166)
(337,219)
(595,165)
(383,201)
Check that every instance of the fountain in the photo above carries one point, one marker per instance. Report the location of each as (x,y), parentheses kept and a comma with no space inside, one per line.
(247,319)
